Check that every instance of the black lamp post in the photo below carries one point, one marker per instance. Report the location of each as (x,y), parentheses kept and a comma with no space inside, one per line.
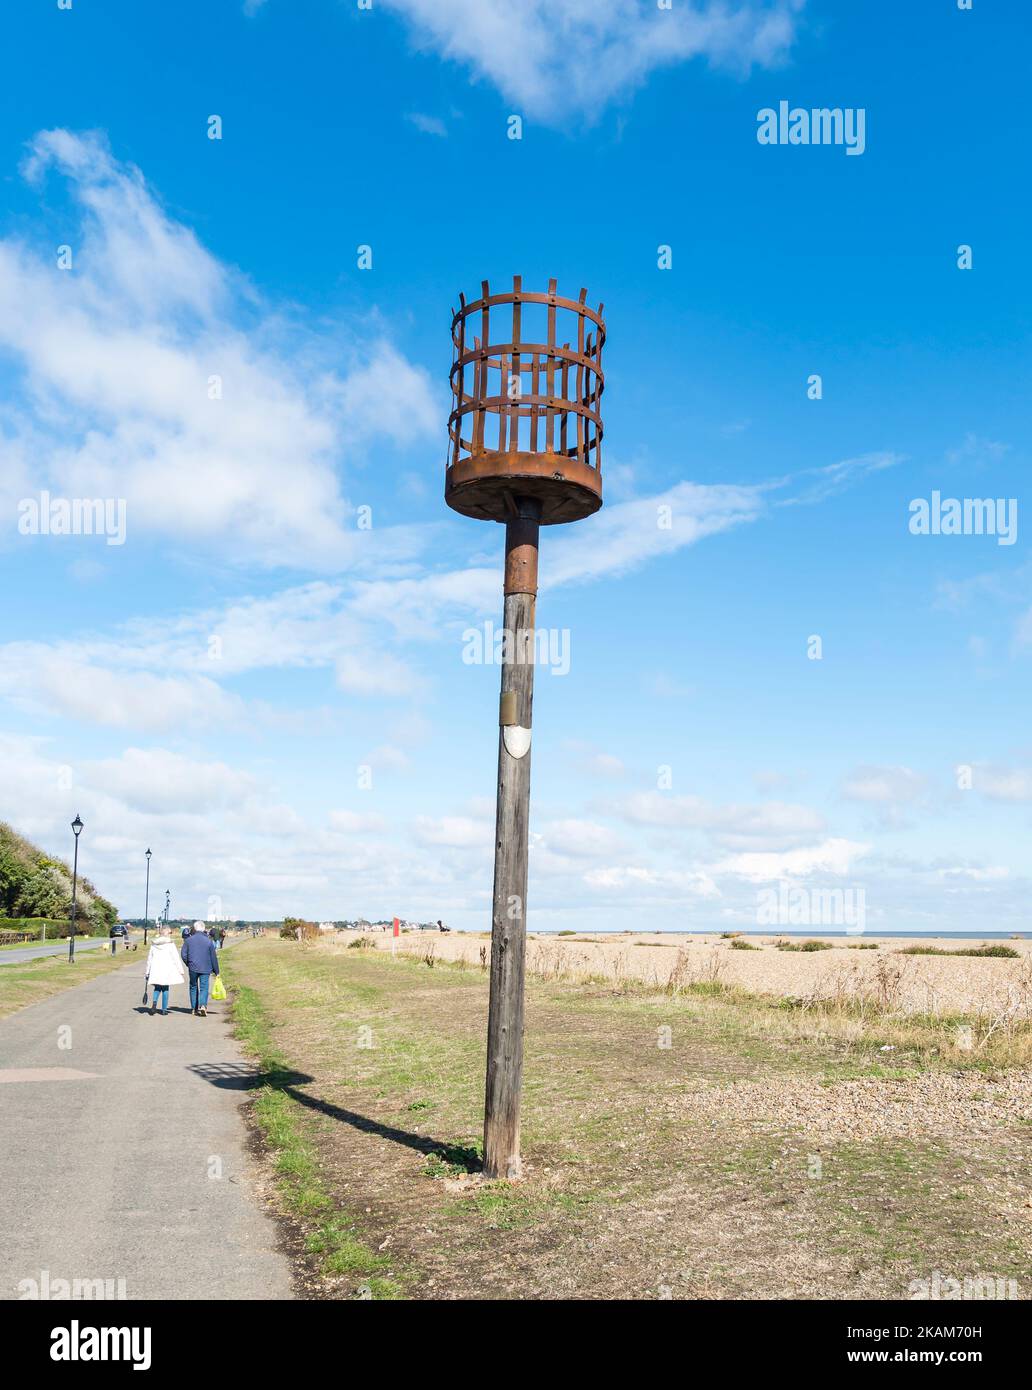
(167,895)
(76,830)
(146,903)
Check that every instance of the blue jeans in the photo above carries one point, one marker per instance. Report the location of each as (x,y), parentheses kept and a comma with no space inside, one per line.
(198,990)
(163,991)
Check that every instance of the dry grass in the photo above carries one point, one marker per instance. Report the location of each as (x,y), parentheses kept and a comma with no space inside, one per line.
(850,985)
(858,1003)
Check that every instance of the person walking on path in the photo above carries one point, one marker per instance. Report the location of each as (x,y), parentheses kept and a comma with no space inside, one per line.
(163,968)
(201,959)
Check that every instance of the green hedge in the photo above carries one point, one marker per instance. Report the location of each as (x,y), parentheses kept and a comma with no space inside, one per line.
(31,928)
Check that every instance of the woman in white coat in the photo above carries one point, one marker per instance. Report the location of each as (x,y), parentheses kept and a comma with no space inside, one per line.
(164,968)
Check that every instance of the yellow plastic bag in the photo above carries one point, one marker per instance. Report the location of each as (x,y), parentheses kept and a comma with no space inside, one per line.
(218,989)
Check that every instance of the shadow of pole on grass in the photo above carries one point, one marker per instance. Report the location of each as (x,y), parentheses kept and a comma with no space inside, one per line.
(238,1076)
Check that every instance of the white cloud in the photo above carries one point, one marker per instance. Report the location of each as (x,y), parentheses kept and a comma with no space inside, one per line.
(817,484)
(387,755)
(118,356)
(671,883)
(605,765)
(833,856)
(154,779)
(458,832)
(369,673)
(625,536)
(579,839)
(111,679)
(977,451)
(770,780)
(556,57)
(353,823)
(60,681)
(366,400)
(429,125)
(883,785)
(419,608)
(770,824)
(991,874)
(1023,630)
(1003,783)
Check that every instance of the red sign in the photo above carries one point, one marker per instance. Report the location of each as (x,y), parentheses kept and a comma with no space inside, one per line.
(397,928)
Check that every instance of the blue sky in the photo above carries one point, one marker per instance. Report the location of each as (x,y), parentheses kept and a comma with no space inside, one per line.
(240,760)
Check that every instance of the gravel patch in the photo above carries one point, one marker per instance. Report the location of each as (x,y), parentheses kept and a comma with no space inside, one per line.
(934,1105)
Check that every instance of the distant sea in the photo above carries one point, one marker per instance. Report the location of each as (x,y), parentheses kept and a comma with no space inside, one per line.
(808,932)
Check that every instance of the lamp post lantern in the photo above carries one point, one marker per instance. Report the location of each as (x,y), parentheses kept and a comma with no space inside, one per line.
(146,902)
(525,436)
(76,831)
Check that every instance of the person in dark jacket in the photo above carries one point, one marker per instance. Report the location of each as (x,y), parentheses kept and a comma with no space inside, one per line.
(201,959)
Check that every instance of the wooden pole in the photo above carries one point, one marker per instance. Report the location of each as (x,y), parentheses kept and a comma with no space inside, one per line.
(509,920)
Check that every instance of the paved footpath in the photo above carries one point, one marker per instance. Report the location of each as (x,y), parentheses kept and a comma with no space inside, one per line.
(122,1154)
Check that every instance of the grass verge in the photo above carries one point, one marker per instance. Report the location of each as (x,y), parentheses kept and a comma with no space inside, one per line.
(330,1237)
(32,980)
